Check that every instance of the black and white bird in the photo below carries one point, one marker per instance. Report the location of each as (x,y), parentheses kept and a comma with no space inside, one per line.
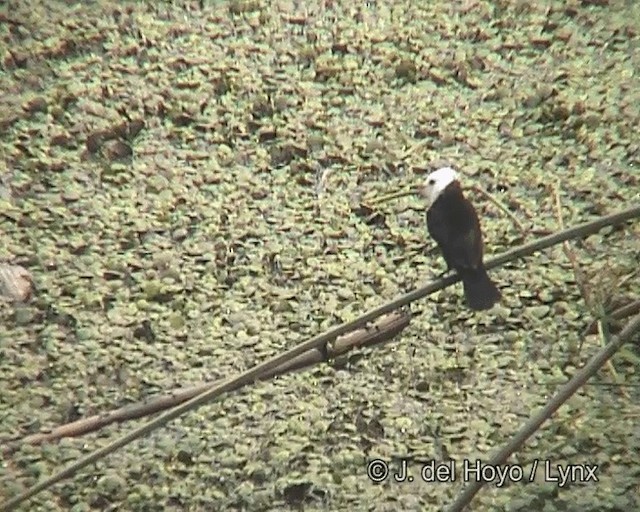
(453,223)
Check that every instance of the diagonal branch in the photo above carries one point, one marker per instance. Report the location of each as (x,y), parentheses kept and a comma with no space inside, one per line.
(534,423)
(384,329)
(253,374)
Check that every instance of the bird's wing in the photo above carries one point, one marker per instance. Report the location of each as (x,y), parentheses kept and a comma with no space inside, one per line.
(439,229)
(467,242)
(458,235)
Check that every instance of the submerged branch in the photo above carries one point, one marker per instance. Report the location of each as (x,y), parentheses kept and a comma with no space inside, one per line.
(381,331)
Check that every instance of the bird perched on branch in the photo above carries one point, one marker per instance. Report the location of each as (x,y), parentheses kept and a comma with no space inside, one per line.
(453,223)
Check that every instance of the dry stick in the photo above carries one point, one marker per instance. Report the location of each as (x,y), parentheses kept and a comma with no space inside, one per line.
(376,201)
(629,276)
(414,148)
(382,330)
(531,426)
(604,338)
(501,207)
(617,314)
(252,374)
(577,274)
(581,280)
(568,252)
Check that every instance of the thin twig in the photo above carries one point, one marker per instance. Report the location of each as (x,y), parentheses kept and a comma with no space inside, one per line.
(604,339)
(598,310)
(502,207)
(252,374)
(571,256)
(631,275)
(578,275)
(415,147)
(534,423)
(377,200)
(617,314)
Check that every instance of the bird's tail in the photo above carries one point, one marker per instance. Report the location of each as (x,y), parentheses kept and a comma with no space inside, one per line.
(479,291)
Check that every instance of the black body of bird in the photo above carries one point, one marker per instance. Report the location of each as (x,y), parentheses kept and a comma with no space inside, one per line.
(453,223)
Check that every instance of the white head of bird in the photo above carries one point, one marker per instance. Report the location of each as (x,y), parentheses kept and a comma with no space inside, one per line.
(436,182)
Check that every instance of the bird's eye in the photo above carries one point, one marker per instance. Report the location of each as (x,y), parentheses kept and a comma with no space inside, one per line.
(431,181)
